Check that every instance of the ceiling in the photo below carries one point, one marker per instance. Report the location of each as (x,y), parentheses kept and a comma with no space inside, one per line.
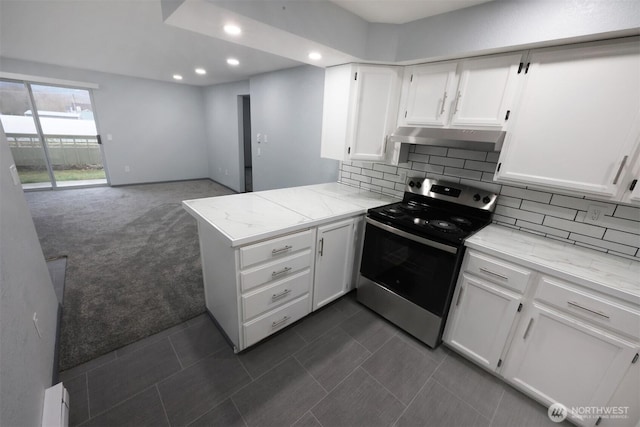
(129,37)
(402,11)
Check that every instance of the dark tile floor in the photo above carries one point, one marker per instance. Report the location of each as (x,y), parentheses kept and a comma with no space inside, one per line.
(341,366)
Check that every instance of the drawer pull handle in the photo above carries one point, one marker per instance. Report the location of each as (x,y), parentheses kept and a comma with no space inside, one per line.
(280,322)
(598,313)
(280,295)
(484,270)
(526,332)
(284,270)
(279,251)
(444,99)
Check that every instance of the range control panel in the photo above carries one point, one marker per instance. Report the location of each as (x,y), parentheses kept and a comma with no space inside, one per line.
(452,191)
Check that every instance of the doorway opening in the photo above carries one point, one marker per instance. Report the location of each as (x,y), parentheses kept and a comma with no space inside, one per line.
(246,163)
(52,134)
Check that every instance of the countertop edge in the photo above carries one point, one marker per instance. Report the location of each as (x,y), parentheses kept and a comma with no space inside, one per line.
(622,294)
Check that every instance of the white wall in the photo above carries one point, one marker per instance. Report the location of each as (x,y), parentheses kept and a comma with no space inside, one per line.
(26,360)
(222,108)
(287,106)
(158,128)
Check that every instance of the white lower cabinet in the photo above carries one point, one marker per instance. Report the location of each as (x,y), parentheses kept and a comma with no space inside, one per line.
(480,321)
(552,339)
(334,261)
(557,359)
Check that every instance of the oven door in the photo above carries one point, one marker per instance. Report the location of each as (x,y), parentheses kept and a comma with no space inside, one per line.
(419,270)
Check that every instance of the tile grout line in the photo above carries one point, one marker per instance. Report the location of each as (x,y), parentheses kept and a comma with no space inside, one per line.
(311,375)
(117,404)
(420,390)
(177,357)
(164,409)
(239,413)
(384,387)
(495,412)
(88,401)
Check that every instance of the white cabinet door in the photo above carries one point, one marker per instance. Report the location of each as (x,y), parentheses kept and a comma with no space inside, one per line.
(578,119)
(559,359)
(375,110)
(360,108)
(428,93)
(486,90)
(482,316)
(334,262)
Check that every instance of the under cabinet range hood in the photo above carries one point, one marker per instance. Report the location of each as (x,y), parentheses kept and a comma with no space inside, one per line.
(470,139)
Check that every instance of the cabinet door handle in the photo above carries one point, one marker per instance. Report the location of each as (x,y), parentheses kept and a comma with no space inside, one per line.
(457,102)
(321,247)
(280,322)
(280,295)
(484,270)
(284,270)
(279,251)
(622,163)
(444,99)
(459,296)
(598,313)
(526,332)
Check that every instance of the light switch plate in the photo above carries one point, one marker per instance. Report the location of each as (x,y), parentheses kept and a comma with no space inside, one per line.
(14,174)
(594,214)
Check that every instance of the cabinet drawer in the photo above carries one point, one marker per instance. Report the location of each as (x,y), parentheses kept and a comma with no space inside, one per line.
(279,293)
(588,306)
(498,271)
(275,320)
(275,248)
(277,270)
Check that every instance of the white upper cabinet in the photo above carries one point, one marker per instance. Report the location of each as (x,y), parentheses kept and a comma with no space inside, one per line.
(428,90)
(475,92)
(360,110)
(578,120)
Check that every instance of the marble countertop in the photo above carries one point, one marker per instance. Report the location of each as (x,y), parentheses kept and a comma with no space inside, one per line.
(250,217)
(613,275)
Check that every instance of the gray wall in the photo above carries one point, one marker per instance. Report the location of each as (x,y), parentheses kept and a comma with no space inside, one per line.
(222,106)
(158,128)
(287,106)
(26,360)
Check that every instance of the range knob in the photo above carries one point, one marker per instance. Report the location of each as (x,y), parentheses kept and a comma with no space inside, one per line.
(418,184)
(412,184)
(476,197)
(486,199)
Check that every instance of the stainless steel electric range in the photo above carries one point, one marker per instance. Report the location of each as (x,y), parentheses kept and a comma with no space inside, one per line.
(413,250)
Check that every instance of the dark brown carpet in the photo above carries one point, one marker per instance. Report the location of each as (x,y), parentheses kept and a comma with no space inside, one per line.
(133,264)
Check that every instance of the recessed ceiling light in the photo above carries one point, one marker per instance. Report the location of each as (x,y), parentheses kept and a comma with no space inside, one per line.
(201,71)
(315,56)
(233,61)
(177,77)
(231,29)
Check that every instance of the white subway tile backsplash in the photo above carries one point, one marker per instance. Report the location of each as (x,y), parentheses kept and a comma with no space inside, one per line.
(523,193)
(512,202)
(543,229)
(553,215)
(385,168)
(480,166)
(436,151)
(575,227)
(519,214)
(622,238)
(463,173)
(627,212)
(603,244)
(467,154)
(446,161)
(543,208)
(372,173)
(580,204)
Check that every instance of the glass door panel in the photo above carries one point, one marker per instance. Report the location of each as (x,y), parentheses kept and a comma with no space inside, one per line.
(24,140)
(69,128)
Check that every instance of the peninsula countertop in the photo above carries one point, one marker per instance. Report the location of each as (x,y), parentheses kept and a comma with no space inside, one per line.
(250,217)
(610,274)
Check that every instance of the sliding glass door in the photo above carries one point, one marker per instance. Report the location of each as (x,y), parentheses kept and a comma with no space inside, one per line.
(55,144)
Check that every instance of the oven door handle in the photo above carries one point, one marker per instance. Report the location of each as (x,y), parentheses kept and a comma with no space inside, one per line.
(421,240)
